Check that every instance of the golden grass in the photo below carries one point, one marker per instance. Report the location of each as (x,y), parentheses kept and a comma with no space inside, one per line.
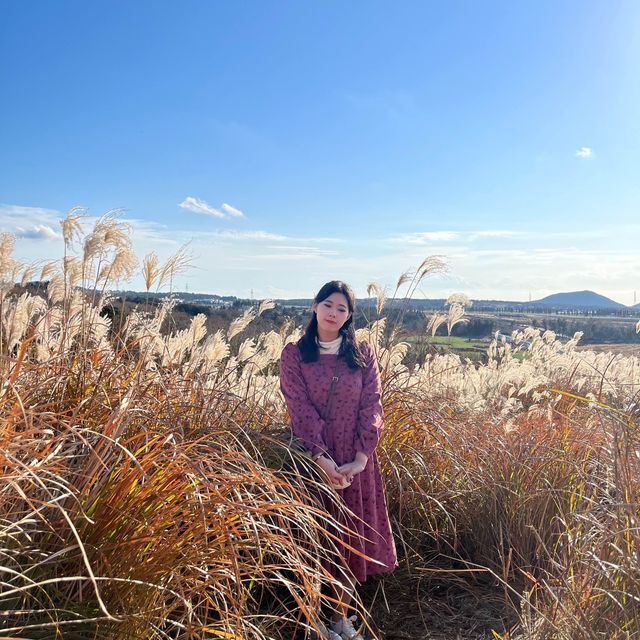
(149,490)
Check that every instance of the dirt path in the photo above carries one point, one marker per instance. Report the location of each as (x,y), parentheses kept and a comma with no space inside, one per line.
(410,608)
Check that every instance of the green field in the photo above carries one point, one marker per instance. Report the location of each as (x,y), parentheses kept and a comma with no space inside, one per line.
(472,348)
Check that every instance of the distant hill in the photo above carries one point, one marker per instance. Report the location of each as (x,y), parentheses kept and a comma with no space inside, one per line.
(577,300)
(570,301)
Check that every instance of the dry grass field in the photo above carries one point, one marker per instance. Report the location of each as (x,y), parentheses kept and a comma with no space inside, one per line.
(150,488)
(622,349)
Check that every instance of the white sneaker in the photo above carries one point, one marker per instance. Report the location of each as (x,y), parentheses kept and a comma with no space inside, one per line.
(323,633)
(345,629)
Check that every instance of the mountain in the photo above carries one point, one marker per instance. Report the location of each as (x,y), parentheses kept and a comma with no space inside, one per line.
(570,301)
(577,300)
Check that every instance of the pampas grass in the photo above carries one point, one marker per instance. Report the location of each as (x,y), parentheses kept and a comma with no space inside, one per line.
(151,488)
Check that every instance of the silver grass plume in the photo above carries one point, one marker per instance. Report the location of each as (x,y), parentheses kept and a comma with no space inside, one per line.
(216,348)
(247,350)
(182,344)
(459,298)
(434,322)
(454,316)
(48,269)
(197,330)
(179,262)
(122,266)
(272,345)
(241,323)
(380,294)
(431,265)
(19,316)
(265,305)
(72,225)
(294,336)
(403,279)
(286,327)
(391,359)
(97,326)
(27,274)
(570,345)
(373,334)
(150,269)
(108,234)
(55,289)
(72,266)
(8,266)
(175,348)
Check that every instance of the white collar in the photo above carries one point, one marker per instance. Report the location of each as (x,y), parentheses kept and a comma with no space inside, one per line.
(330,346)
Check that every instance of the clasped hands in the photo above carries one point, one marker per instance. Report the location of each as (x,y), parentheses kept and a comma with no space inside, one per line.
(341,477)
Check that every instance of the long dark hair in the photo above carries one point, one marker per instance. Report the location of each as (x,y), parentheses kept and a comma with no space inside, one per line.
(349,349)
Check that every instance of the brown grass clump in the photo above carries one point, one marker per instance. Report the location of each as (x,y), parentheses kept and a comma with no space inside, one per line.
(136,510)
(134,504)
(541,509)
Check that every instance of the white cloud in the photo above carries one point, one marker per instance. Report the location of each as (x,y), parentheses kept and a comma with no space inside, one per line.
(30,223)
(330,240)
(200,206)
(145,231)
(305,250)
(12,214)
(232,211)
(431,237)
(284,254)
(38,232)
(426,237)
(249,235)
(495,234)
(584,152)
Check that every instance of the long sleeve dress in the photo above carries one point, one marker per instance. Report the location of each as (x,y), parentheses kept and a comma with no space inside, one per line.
(354,423)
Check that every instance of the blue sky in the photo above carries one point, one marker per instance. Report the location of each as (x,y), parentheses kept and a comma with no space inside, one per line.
(308,141)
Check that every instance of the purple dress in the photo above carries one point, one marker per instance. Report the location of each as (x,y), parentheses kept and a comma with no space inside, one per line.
(354,424)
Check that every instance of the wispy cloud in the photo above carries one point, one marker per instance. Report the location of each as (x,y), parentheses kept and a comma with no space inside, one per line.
(191,203)
(329,240)
(30,223)
(432,237)
(289,253)
(585,152)
(38,232)
(232,211)
(249,235)
(427,237)
(495,234)
(306,250)
(16,212)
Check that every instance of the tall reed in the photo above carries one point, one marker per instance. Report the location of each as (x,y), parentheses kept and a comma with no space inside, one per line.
(150,491)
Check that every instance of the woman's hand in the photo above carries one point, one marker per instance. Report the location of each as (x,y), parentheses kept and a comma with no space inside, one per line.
(352,469)
(337,479)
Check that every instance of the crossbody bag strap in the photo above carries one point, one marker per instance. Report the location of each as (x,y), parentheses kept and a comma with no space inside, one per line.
(325,413)
(334,380)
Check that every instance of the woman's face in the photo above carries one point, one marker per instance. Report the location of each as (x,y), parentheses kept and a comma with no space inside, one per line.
(331,313)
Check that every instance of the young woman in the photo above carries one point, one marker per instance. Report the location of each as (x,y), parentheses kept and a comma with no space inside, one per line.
(328,369)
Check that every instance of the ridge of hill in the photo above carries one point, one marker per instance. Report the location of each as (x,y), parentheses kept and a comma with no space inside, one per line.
(577,300)
(567,301)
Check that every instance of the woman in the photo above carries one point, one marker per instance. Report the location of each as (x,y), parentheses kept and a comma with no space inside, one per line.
(331,385)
